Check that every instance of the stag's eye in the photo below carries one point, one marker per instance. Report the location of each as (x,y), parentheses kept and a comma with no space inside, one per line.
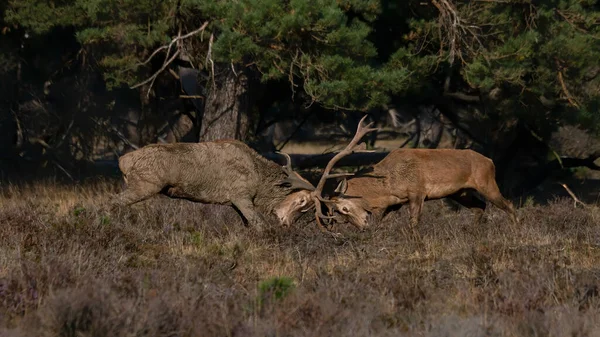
(345,209)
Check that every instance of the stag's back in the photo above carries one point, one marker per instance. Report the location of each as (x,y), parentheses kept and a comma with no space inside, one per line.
(211,171)
(437,171)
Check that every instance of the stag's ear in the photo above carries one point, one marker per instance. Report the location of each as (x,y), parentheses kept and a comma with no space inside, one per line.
(342,187)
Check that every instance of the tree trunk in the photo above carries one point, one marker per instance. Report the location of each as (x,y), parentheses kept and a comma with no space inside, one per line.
(227,108)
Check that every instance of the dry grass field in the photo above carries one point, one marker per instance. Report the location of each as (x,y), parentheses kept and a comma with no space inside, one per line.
(68,267)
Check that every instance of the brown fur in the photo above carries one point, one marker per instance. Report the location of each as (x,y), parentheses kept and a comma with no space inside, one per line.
(415,175)
(224,172)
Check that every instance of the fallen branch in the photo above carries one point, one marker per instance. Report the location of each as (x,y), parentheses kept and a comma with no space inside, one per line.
(589,162)
(462,96)
(576,200)
(192,96)
(309,161)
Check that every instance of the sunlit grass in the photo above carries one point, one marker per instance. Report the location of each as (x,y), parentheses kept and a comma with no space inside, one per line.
(69,266)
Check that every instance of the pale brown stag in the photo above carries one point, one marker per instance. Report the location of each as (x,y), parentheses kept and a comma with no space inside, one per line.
(413,176)
(224,172)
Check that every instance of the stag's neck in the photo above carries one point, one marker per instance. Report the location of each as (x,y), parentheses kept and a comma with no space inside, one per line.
(270,195)
(373,191)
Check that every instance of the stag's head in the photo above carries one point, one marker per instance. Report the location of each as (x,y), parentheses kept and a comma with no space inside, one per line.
(297,202)
(293,205)
(350,207)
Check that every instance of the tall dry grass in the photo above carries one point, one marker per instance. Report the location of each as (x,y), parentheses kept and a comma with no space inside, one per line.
(68,267)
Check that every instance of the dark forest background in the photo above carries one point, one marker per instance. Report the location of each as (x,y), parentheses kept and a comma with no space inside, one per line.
(84,81)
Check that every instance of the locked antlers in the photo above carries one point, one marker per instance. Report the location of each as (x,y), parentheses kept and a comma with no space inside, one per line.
(361,131)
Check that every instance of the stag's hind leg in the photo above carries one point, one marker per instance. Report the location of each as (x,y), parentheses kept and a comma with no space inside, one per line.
(492,193)
(248,210)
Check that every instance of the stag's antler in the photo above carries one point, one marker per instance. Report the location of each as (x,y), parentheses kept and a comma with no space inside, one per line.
(293,179)
(361,131)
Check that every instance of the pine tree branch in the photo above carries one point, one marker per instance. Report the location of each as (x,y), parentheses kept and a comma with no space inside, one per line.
(570,22)
(152,78)
(177,38)
(210,60)
(291,75)
(111,129)
(168,60)
(457,30)
(566,91)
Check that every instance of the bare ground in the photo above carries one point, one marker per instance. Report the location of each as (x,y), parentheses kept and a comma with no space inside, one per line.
(174,268)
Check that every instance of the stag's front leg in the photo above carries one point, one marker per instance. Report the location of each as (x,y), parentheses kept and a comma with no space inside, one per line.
(136,190)
(415,205)
(254,218)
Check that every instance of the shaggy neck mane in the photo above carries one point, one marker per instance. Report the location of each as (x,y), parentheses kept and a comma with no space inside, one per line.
(270,195)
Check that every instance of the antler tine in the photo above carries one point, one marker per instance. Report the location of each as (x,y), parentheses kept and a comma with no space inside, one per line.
(325,201)
(293,179)
(339,175)
(288,164)
(361,131)
(319,215)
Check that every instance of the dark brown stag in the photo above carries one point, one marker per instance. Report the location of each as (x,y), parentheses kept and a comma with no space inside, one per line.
(413,176)
(224,172)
